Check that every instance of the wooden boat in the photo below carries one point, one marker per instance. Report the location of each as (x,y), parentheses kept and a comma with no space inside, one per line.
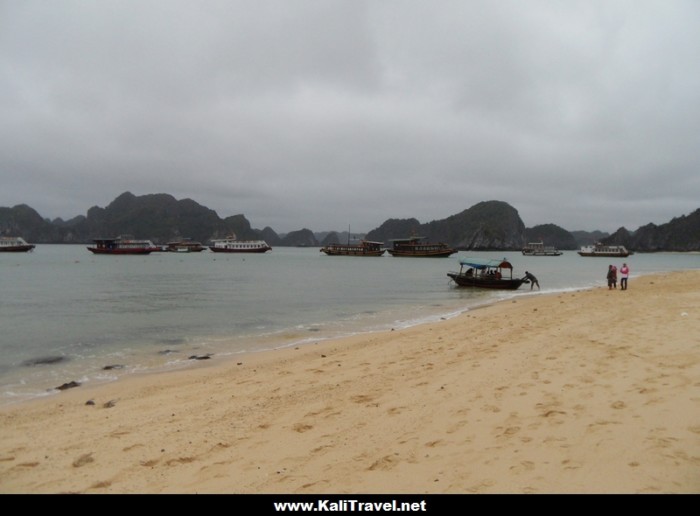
(415,247)
(364,248)
(494,274)
(613,251)
(14,245)
(233,245)
(184,246)
(122,245)
(539,249)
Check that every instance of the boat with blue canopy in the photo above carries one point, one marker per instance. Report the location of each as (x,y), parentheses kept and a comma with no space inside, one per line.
(479,273)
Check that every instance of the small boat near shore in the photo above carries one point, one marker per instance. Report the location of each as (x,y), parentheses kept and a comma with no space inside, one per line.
(491,274)
(15,245)
(233,245)
(539,249)
(612,251)
(415,246)
(122,245)
(364,248)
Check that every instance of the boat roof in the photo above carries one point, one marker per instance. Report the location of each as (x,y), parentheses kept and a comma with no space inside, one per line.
(408,239)
(479,263)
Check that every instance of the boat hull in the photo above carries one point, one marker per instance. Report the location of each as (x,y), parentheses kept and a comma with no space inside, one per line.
(604,255)
(17,248)
(331,252)
(96,250)
(467,280)
(252,250)
(364,248)
(421,254)
(184,247)
(542,253)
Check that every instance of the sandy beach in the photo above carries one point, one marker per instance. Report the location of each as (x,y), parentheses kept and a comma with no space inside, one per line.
(596,391)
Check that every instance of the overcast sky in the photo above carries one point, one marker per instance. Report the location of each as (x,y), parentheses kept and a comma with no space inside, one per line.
(324,114)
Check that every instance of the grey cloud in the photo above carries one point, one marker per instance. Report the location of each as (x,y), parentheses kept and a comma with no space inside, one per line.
(321,114)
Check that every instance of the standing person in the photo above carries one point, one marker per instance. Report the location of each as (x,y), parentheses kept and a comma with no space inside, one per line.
(624,274)
(611,277)
(533,280)
(614,271)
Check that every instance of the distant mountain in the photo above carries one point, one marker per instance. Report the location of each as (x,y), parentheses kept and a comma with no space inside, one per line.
(552,235)
(489,225)
(681,234)
(158,217)
(485,226)
(21,220)
(584,238)
(301,238)
(269,236)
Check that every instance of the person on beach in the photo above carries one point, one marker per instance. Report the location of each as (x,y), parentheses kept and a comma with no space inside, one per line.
(624,274)
(611,277)
(533,280)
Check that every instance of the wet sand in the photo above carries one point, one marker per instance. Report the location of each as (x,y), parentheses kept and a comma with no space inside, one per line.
(595,391)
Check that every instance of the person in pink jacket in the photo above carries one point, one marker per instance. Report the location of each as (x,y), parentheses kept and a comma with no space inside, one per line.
(624,274)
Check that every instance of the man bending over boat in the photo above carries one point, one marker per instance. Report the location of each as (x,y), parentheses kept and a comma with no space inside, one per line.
(533,281)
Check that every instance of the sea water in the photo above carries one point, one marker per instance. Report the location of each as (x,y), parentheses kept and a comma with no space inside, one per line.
(68,315)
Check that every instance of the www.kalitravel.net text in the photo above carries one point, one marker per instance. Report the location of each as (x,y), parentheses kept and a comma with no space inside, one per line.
(324,505)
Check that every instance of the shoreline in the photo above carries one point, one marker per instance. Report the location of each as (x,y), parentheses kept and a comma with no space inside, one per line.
(554,393)
(267,343)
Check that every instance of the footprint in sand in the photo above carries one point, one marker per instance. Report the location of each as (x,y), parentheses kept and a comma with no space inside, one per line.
(302,427)
(83,460)
(525,465)
(28,465)
(362,398)
(180,460)
(385,463)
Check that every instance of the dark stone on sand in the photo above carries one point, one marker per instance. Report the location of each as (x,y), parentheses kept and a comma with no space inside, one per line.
(113,366)
(90,402)
(44,360)
(200,357)
(68,385)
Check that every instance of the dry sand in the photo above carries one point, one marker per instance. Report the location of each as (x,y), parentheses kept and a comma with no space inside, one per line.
(595,391)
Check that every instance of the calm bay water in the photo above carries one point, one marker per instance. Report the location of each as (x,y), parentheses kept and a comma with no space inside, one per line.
(65,314)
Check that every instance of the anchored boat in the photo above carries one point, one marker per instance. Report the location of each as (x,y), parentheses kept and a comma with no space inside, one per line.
(613,251)
(539,249)
(415,247)
(494,274)
(14,245)
(233,245)
(122,245)
(364,248)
